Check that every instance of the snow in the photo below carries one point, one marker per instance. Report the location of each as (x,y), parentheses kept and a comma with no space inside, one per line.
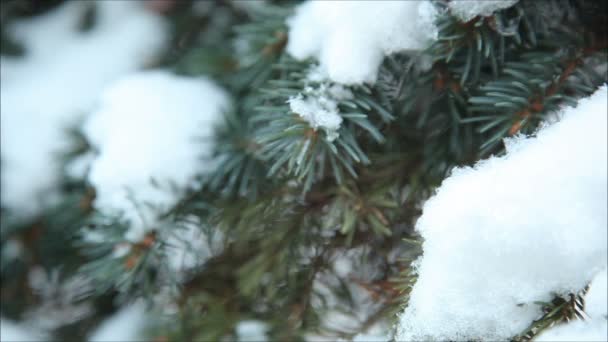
(318,105)
(466,10)
(370,338)
(152,133)
(513,230)
(251,331)
(376,333)
(126,325)
(596,300)
(595,328)
(576,331)
(350,38)
(14,332)
(56,83)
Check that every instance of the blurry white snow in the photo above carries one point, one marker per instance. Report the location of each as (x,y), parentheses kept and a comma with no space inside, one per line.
(126,325)
(513,230)
(57,82)
(152,133)
(251,331)
(350,38)
(15,332)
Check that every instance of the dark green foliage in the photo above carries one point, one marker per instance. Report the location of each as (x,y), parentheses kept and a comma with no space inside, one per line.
(289,143)
(287,200)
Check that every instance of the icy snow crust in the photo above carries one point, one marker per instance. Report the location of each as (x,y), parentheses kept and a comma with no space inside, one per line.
(513,230)
(56,83)
(350,38)
(153,134)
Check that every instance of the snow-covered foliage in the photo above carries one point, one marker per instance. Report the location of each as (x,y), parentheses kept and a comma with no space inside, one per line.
(595,328)
(466,10)
(126,325)
(45,92)
(513,230)
(318,105)
(142,174)
(350,38)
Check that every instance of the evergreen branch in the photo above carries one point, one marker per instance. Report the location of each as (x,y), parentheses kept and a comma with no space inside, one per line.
(557,311)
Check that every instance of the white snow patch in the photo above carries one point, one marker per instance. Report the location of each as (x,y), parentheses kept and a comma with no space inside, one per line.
(376,333)
(512,231)
(350,38)
(152,133)
(251,331)
(319,107)
(576,331)
(57,82)
(466,10)
(126,325)
(371,338)
(14,332)
(596,307)
(596,300)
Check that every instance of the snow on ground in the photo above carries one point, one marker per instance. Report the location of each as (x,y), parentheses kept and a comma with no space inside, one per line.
(350,38)
(56,83)
(513,230)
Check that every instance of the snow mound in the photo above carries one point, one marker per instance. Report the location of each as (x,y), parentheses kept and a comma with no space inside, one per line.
(152,133)
(350,38)
(49,89)
(576,331)
(513,230)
